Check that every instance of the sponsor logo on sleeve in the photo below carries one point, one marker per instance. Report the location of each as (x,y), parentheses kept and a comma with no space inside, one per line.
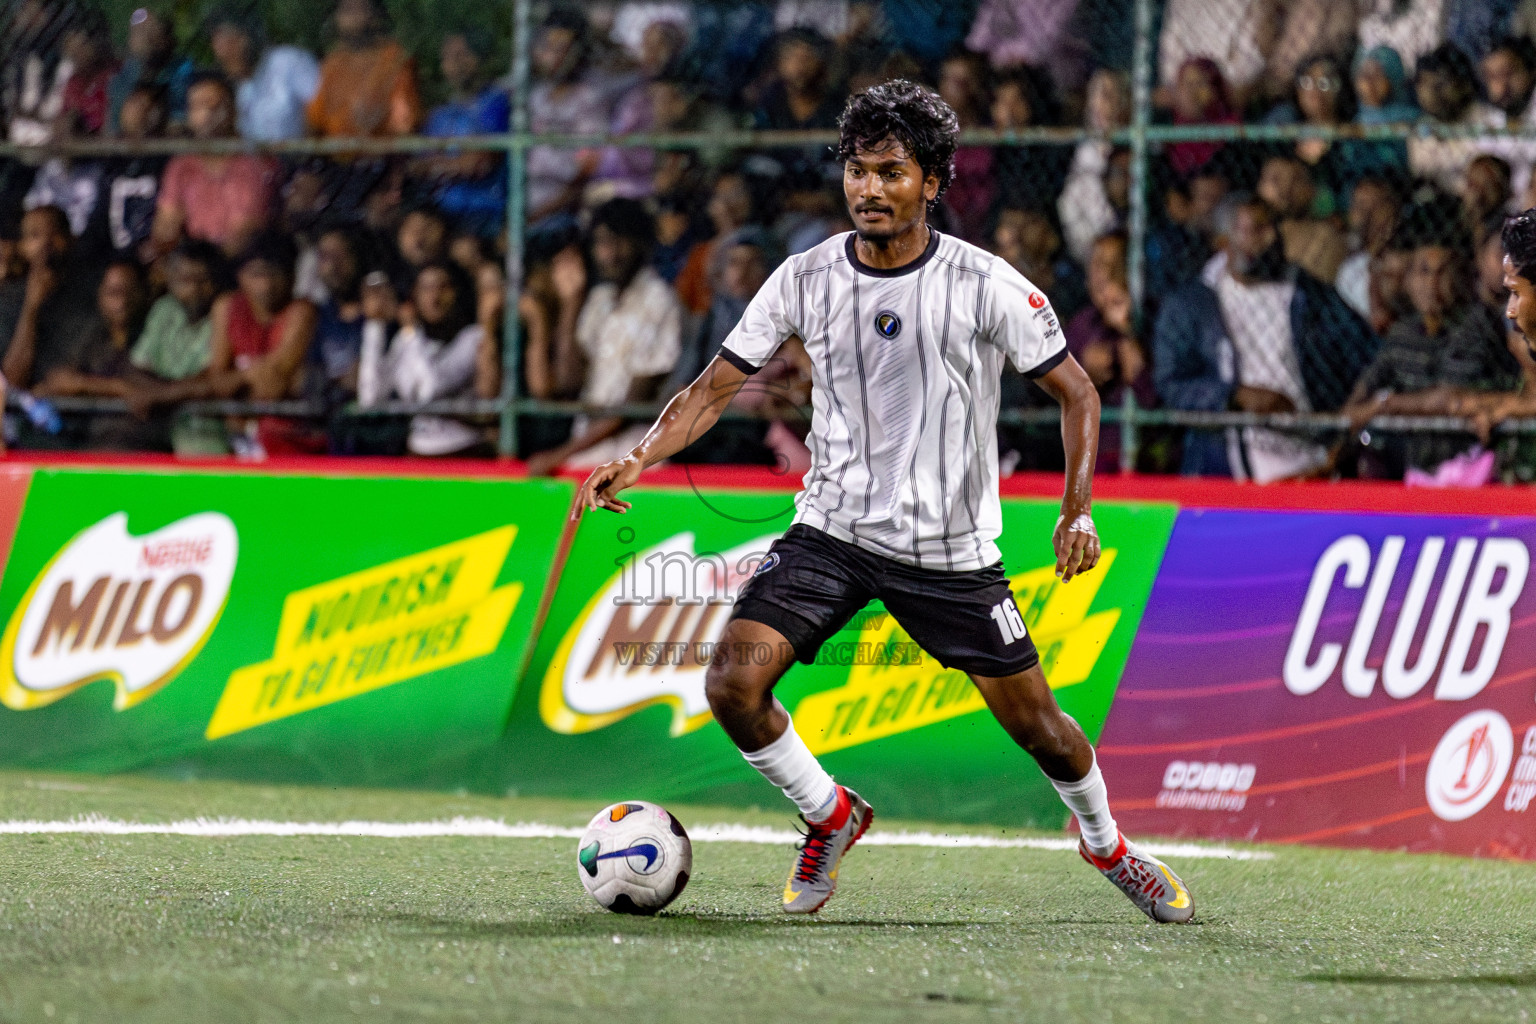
(112,606)
(1049,327)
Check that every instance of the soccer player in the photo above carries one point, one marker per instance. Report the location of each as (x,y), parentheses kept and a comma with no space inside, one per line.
(907,330)
(1520,276)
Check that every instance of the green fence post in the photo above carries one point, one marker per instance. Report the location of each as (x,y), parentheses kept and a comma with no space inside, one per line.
(517,228)
(1136,271)
(1130,438)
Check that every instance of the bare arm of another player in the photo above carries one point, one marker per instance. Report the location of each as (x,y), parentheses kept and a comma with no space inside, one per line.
(1075,539)
(685,419)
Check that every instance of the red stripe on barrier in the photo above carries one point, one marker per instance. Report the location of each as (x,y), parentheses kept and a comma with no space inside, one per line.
(14,484)
(1196,692)
(1354,826)
(1190,492)
(1303,729)
(1289,785)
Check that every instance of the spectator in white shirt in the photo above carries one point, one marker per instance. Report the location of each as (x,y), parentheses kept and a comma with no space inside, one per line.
(273,84)
(1445,86)
(1508,74)
(629,332)
(1086,210)
(1375,206)
(442,352)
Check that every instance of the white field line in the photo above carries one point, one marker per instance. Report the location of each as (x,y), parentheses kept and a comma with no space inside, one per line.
(488,828)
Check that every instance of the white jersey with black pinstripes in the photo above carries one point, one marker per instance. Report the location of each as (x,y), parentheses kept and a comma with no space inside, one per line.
(905,390)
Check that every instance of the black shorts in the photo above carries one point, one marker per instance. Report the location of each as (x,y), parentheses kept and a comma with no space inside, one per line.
(810,585)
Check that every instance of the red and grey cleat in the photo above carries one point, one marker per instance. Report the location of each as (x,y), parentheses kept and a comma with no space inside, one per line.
(1147,881)
(814,877)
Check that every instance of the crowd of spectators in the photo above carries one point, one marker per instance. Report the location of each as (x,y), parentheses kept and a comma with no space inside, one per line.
(1346,274)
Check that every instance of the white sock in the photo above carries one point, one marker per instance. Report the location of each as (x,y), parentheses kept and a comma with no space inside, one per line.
(789,764)
(1088,799)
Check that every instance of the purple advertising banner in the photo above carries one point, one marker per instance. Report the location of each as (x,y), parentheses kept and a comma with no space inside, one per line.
(1341,679)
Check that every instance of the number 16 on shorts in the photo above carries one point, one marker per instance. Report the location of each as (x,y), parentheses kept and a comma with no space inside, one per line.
(1006,614)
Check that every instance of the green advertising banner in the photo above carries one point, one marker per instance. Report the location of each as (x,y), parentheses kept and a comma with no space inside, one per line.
(613,703)
(361,630)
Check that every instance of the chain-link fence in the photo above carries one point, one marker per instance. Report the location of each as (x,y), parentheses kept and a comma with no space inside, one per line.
(1269,227)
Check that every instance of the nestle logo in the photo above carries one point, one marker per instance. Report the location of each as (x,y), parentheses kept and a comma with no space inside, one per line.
(177,554)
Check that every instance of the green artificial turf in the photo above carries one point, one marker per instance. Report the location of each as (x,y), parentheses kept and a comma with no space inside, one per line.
(170,929)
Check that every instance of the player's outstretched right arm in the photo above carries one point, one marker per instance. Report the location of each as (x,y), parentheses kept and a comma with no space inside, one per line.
(685,419)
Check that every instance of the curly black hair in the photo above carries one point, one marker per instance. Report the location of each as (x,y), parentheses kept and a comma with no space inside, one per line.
(910,114)
(1519,238)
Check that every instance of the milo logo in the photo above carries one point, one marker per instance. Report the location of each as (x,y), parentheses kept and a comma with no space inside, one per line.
(647,637)
(134,610)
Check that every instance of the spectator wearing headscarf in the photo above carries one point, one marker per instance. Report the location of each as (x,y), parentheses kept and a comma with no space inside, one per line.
(1411,27)
(1382,88)
(1200,96)
(1323,96)
(1222,32)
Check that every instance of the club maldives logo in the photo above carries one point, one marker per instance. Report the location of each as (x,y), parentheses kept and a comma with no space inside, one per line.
(1469,765)
(647,637)
(135,610)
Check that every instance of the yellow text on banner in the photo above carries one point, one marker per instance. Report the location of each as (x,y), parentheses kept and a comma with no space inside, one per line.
(897,695)
(376,627)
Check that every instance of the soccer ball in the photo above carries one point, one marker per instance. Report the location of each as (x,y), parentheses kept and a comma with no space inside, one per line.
(634,858)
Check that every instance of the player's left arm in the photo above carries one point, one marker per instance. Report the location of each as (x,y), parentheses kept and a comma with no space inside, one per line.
(1075,539)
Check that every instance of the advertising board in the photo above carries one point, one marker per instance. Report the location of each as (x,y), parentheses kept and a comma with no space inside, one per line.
(342,629)
(614,702)
(1343,679)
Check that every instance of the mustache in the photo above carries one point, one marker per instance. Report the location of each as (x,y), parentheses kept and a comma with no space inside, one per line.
(871,208)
